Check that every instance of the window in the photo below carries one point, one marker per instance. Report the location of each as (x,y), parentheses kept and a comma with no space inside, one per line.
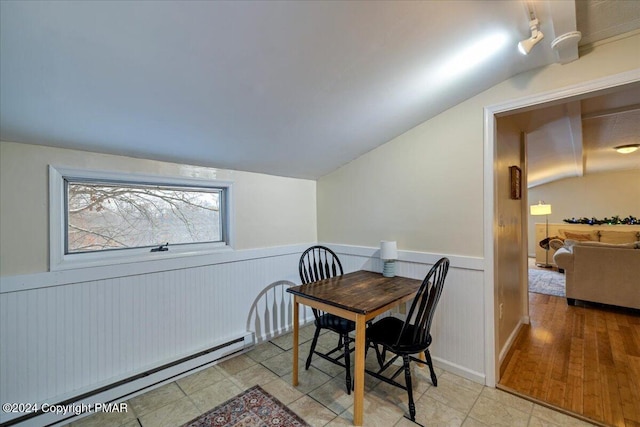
(101,217)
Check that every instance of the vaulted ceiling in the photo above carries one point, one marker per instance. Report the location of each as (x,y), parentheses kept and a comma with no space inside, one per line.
(287,88)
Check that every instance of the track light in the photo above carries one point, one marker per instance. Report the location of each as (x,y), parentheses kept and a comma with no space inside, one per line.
(525,46)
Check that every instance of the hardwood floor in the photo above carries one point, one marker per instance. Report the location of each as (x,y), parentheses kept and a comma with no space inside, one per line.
(584,359)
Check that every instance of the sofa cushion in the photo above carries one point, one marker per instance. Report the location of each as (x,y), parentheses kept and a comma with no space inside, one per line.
(584,235)
(608,236)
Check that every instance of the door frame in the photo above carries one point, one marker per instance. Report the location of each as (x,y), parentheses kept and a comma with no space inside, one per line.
(577,91)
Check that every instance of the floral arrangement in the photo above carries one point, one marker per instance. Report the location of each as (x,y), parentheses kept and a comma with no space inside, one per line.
(615,220)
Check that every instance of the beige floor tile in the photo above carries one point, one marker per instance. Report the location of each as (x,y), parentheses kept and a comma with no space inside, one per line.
(283,391)
(308,380)
(212,396)
(100,419)
(329,340)
(201,379)
(232,366)
(155,399)
(285,341)
(377,413)
(312,412)
(255,375)
(305,347)
(448,393)
(434,413)
(333,395)
(550,417)
(264,351)
(508,399)
(282,364)
(396,395)
(494,413)
(471,422)
(173,414)
(321,398)
(444,376)
(328,367)
(306,332)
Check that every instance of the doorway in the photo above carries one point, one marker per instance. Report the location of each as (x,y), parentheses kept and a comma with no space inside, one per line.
(496,215)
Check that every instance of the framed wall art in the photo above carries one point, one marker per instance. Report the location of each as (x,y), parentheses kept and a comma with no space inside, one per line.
(515,175)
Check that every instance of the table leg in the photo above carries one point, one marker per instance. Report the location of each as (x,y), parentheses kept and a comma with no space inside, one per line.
(358,395)
(423,358)
(294,379)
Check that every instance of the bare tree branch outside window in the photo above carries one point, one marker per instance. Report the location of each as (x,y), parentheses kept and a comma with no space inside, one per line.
(114,216)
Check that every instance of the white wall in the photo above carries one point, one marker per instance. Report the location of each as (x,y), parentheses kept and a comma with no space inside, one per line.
(67,332)
(600,195)
(270,210)
(425,187)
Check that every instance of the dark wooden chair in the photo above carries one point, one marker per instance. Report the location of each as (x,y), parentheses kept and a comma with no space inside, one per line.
(411,336)
(318,263)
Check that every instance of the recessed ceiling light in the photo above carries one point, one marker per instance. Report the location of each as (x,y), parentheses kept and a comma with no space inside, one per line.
(626,149)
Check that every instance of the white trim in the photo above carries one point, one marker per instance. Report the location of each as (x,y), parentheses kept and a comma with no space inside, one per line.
(469,374)
(511,340)
(66,277)
(58,260)
(457,261)
(490,319)
(491,328)
(562,94)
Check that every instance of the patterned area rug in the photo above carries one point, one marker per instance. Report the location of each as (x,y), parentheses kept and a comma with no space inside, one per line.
(252,408)
(548,282)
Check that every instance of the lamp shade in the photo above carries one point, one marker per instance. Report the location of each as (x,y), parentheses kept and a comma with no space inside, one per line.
(540,209)
(388,250)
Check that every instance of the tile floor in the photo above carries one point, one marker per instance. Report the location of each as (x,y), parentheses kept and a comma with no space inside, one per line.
(321,398)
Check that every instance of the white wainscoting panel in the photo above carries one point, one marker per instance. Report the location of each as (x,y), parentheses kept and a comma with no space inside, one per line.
(66,333)
(59,341)
(458,326)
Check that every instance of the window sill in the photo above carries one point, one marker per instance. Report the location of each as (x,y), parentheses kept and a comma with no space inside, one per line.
(133,256)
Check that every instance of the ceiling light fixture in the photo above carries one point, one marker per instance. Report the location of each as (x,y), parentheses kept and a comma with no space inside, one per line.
(525,46)
(626,149)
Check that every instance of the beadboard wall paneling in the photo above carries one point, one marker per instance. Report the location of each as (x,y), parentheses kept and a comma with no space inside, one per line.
(59,341)
(458,326)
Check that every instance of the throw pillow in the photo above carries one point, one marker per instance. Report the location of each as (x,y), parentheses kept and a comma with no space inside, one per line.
(578,236)
(608,236)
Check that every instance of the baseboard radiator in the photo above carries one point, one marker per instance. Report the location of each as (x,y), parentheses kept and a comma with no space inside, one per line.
(127,388)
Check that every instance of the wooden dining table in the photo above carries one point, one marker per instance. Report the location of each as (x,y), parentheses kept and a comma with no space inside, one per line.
(359,296)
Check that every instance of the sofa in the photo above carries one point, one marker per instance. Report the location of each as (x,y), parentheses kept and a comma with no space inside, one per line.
(597,233)
(598,272)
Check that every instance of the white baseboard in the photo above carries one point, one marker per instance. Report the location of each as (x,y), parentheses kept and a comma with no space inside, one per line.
(474,376)
(142,384)
(512,337)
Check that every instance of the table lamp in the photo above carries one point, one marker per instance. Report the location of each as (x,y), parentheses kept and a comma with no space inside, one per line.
(542,209)
(389,254)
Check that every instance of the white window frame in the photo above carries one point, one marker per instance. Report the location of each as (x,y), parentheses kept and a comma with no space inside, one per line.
(58,260)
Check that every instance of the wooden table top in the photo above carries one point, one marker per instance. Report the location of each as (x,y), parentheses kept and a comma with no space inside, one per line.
(360,292)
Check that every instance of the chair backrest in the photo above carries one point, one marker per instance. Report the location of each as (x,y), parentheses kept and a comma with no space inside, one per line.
(317,263)
(424,304)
